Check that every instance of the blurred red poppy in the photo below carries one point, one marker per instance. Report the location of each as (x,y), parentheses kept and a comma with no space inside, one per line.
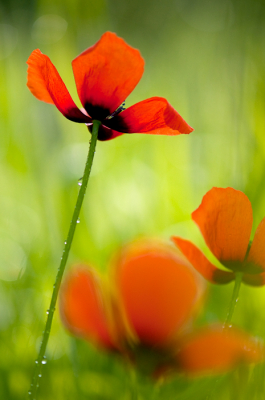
(146,312)
(225,221)
(105,74)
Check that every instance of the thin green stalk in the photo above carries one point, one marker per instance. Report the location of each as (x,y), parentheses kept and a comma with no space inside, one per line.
(133,383)
(234,299)
(40,361)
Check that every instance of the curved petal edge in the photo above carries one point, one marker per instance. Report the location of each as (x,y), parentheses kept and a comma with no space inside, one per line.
(201,263)
(106,74)
(45,83)
(256,255)
(152,116)
(225,220)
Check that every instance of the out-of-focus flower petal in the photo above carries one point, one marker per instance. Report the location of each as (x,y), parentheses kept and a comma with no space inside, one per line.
(254,279)
(46,84)
(154,116)
(256,255)
(201,263)
(106,74)
(225,220)
(82,307)
(215,350)
(157,289)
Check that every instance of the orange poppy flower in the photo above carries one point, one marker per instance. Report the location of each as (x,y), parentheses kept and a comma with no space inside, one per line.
(145,312)
(215,350)
(149,279)
(105,74)
(225,221)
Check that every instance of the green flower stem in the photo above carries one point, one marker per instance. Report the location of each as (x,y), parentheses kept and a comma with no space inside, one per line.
(133,384)
(41,356)
(234,299)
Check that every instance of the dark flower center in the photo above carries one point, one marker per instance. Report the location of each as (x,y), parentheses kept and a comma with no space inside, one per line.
(117,111)
(100,113)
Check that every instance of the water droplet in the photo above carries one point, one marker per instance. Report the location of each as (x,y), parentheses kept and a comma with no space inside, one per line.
(78,221)
(65,242)
(79,183)
(48,312)
(36,362)
(39,375)
(29,392)
(44,362)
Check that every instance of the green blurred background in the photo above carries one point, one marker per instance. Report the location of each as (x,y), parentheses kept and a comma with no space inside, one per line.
(207,57)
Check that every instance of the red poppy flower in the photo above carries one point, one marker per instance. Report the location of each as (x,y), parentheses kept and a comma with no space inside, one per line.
(225,221)
(154,295)
(105,74)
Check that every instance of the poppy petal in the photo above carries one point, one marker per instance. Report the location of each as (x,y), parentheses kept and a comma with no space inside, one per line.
(201,263)
(46,84)
(157,289)
(106,74)
(214,351)
(225,220)
(154,116)
(81,307)
(254,279)
(256,255)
